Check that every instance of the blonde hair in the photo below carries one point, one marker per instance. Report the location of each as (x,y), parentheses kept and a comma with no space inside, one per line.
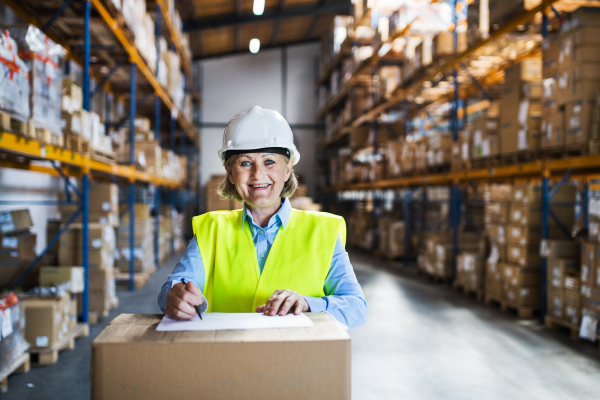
(227,189)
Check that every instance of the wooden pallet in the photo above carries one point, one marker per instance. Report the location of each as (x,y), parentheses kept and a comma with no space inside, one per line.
(76,143)
(551,322)
(566,150)
(108,157)
(522,312)
(14,124)
(139,278)
(44,135)
(49,355)
(467,291)
(21,365)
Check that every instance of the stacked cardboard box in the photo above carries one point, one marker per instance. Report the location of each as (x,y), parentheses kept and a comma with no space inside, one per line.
(165,232)
(497,216)
(14,93)
(49,319)
(484,140)
(390,232)
(521,107)
(101,246)
(436,257)
(143,240)
(42,57)
(572,81)
(177,230)
(103,205)
(563,270)
(440,150)
(515,232)
(470,270)
(13,344)
(590,281)
(17,248)
(213,199)
(360,223)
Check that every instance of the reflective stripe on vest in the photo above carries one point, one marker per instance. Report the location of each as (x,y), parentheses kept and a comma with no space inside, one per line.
(299,258)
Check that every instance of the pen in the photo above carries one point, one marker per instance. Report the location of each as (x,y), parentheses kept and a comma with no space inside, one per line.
(196,307)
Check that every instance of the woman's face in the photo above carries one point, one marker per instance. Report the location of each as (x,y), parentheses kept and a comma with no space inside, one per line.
(259,177)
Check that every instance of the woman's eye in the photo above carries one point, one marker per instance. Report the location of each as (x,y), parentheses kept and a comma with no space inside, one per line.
(269,162)
(245,163)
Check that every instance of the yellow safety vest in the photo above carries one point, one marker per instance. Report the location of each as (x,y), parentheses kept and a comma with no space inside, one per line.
(299,258)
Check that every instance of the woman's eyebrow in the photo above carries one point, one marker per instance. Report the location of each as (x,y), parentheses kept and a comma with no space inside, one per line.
(267,154)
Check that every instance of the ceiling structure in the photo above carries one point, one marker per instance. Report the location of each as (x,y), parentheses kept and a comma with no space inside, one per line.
(223,27)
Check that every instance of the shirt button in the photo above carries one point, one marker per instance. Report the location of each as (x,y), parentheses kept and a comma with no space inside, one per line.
(262,232)
(262,255)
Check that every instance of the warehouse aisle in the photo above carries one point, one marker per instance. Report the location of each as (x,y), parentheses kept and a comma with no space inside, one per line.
(425,341)
(421,341)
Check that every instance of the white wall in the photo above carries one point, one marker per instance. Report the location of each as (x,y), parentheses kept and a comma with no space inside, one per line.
(235,83)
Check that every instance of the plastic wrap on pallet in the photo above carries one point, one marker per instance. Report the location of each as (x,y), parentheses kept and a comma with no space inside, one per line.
(12,332)
(14,78)
(43,57)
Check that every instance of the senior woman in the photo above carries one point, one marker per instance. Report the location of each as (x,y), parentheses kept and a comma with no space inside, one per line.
(267,257)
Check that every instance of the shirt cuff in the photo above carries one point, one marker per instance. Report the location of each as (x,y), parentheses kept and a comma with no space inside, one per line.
(316,304)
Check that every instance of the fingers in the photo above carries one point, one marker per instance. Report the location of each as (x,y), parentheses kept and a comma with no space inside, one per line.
(287,304)
(189,293)
(270,300)
(190,287)
(298,307)
(180,303)
(277,302)
(260,309)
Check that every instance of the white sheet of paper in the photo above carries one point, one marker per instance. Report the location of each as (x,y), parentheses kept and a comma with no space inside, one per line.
(233,321)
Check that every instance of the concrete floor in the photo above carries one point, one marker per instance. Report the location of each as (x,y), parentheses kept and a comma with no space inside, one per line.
(421,341)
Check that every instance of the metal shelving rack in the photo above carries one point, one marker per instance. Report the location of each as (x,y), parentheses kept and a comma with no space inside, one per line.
(582,169)
(69,164)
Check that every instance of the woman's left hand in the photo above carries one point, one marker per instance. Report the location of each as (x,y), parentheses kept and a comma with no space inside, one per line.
(282,301)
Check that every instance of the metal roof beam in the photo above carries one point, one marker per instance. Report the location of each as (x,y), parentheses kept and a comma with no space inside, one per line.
(342,7)
(262,48)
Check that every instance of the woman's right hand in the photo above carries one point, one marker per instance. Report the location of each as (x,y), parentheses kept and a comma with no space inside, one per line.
(181,300)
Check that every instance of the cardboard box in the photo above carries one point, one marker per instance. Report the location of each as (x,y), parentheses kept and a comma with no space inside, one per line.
(532,193)
(556,303)
(497,233)
(560,249)
(525,255)
(559,269)
(498,212)
(589,292)
(131,360)
(15,221)
(525,296)
(11,270)
(50,276)
(588,263)
(18,246)
(518,276)
(578,119)
(45,320)
(493,288)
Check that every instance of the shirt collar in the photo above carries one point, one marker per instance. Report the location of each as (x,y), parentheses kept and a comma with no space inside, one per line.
(282,215)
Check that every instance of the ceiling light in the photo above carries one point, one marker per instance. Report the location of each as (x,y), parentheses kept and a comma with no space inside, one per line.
(254,46)
(259,7)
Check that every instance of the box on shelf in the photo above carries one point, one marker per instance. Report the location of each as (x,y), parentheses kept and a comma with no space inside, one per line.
(50,276)
(15,221)
(19,246)
(48,319)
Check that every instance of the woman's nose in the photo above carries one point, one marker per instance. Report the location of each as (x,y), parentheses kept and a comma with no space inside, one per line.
(259,171)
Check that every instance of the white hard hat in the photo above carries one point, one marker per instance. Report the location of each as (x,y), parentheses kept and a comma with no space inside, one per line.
(258,128)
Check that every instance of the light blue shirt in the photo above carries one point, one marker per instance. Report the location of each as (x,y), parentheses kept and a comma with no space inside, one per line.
(343,299)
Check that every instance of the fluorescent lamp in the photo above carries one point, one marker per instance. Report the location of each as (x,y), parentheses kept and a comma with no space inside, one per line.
(254,46)
(258,7)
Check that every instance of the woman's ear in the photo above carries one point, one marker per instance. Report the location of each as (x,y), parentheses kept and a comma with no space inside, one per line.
(229,174)
(288,170)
